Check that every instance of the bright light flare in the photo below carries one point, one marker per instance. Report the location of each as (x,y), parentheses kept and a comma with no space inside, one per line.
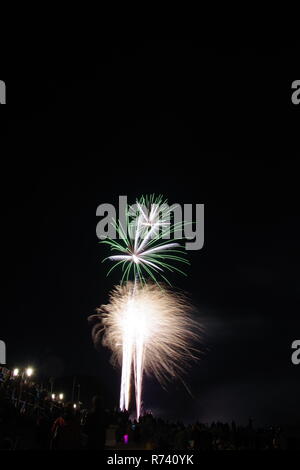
(29,371)
(149,329)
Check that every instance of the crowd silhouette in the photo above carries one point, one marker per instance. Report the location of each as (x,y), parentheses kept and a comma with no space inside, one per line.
(30,419)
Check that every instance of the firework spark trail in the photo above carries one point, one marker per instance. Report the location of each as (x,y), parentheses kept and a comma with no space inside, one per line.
(143,247)
(151,331)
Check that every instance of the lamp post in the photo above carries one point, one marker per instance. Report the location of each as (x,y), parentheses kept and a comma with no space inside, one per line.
(51,380)
(28,372)
(14,388)
(73,388)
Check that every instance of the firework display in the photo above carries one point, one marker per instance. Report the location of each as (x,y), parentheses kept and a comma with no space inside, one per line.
(147,325)
(144,247)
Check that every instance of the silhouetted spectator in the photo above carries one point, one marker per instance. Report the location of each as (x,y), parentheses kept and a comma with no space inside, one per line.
(95,425)
(66,431)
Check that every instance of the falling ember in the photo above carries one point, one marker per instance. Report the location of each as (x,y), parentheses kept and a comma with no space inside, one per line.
(150,330)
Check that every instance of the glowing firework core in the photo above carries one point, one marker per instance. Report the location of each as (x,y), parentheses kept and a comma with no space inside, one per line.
(150,330)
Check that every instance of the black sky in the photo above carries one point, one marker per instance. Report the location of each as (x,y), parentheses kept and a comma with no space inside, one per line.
(199,125)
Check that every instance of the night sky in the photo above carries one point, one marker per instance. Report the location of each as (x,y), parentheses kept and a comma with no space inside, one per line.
(208,126)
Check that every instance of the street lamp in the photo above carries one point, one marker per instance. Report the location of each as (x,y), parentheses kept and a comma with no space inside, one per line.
(29,371)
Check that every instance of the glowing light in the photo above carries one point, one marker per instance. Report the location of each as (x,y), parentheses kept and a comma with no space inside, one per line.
(150,330)
(61,396)
(29,371)
(74,406)
(16,372)
(53,396)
